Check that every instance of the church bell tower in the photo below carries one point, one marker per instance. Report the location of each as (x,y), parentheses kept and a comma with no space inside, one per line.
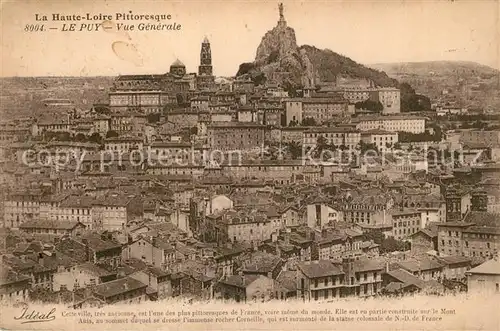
(205,67)
(205,79)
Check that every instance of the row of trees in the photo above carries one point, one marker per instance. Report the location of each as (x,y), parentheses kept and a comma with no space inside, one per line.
(387,245)
(374,106)
(307,121)
(411,101)
(79,137)
(408,137)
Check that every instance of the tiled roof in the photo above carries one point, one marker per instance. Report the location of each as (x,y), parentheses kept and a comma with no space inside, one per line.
(405,277)
(366,264)
(428,232)
(482,218)
(454,259)
(118,286)
(8,276)
(261,262)
(321,268)
(97,243)
(483,229)
(420,265)
(490,267)
(50,224)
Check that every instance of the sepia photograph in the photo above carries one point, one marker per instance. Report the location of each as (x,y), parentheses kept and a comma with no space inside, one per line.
(250,165)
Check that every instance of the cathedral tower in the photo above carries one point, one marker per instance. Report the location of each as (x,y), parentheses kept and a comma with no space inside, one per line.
(205,79)
(205,67)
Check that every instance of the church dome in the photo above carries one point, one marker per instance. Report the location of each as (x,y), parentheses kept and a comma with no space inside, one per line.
(177,63)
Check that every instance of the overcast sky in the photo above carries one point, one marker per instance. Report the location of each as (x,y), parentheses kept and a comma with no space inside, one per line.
(367,32)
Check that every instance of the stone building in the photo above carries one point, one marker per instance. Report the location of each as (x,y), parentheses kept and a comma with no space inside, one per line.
(205,79)
(225,136)
(485,278)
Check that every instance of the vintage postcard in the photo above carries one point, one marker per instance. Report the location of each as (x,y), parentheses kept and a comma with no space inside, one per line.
(250,165)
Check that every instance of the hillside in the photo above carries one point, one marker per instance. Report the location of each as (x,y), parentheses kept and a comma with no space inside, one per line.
(331,65)
(471,84)
(279,59)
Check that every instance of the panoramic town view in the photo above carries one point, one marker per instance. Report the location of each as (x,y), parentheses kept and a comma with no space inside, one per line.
(305,176)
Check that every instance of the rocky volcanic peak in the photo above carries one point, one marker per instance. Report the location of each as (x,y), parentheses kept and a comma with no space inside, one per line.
(276,44)
(279,59)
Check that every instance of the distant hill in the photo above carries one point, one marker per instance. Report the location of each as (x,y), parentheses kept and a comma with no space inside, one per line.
(471,84)
(331,65)
(462,68)
(23,96)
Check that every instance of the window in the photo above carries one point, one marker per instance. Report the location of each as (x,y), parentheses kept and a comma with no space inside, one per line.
(316,283)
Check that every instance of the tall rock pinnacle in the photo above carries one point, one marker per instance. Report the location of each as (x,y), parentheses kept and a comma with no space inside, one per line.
(280,60)
(277,42)
(278,55)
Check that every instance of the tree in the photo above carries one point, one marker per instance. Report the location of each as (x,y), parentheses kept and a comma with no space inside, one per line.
(363,147)
(80,137)
(374,106)
(111,134)
(259,78)
(333,147)
(95,138)
(295,149)
(180,98)
(308,121)
(63,136)
(410,101)
(390,244)
(48,135)
(194,130)
(321,145)
(377,236)
(102,110)
(153,118)
(291,89)
(321,142)
(245,68)
(408,137)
